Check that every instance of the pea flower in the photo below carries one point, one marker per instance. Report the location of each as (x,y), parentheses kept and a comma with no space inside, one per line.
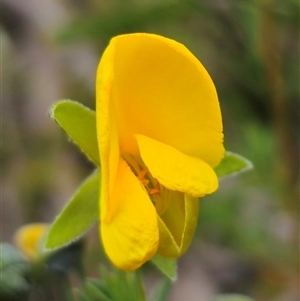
(29,237)
(159,131)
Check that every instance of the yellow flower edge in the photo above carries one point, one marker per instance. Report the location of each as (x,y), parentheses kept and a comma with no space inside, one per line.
(159,131)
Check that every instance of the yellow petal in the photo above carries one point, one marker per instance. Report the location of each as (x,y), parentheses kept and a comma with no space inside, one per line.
(162,91)
(28,237)
(129,230)
(177,225)
(175,170)
(106,128)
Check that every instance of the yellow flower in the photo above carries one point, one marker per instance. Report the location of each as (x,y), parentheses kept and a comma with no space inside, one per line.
(159,131)
(28,238)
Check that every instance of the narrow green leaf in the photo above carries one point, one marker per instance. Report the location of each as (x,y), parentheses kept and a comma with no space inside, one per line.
(232,297)
(78,215)
(79,122)
(166,265)
(232,164)
(115,285)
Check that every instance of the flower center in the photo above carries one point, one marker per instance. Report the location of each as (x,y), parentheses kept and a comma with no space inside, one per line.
(157,192)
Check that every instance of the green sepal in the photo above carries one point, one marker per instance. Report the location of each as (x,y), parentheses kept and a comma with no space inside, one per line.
(232,164)
(168,266)
(79,122)
(78,215)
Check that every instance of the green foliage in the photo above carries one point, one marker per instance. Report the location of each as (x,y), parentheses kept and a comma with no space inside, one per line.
(82,211)
(78,216)
(232,164)
(79,122)
(13,268)
(113,286)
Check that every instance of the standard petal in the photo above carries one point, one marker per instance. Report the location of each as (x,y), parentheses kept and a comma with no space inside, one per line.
(177,225)
(107,134)
(129,230)
(162,91)
(175,170)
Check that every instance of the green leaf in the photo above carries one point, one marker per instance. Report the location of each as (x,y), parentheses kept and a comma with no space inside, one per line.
(232,164)
(13,271)
(166,265)
(79,122)
(232,297)
(78,216)
(115,285)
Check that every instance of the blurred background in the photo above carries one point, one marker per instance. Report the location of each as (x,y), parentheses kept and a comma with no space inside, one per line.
(247,238)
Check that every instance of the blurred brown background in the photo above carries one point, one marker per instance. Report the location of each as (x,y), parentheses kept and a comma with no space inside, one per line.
(247,239)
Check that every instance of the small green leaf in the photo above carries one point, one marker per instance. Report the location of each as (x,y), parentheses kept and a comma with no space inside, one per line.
(167,265)
(232,164)
(13,271)
(232,297)
(114,285)
(78,216)
(79,122)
